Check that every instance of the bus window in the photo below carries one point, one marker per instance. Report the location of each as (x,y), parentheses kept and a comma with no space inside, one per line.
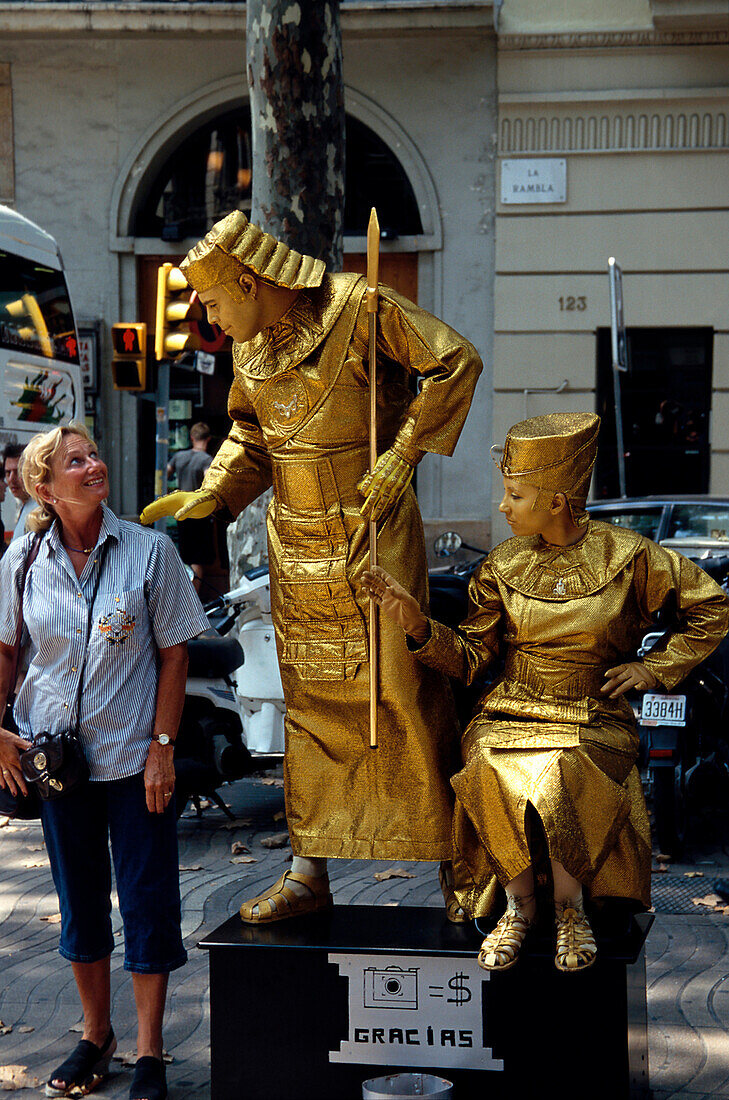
(35,310)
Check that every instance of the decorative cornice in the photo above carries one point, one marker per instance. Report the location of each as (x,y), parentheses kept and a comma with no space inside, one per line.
(627,127)
(613,40)
(360,18)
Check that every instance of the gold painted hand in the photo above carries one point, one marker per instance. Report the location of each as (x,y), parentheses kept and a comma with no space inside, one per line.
(396,602)
(181,505)
(625,677)
(383,486)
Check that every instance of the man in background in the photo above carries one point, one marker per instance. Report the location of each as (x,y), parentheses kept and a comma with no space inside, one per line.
(198,540)
(14,482)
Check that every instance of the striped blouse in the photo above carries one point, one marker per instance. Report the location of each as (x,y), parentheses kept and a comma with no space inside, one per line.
(145,600)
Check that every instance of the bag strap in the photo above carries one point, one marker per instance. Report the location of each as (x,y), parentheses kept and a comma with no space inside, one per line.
(89,626)
(29,559)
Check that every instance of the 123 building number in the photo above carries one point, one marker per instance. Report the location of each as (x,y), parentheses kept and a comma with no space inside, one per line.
(572,303)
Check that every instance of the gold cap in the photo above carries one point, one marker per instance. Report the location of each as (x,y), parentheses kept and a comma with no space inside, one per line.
(556,453)
(233,243)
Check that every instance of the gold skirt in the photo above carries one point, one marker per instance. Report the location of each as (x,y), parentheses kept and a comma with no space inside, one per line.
(590,802)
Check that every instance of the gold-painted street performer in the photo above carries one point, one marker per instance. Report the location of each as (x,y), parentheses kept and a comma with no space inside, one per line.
(569,600)
(299,403)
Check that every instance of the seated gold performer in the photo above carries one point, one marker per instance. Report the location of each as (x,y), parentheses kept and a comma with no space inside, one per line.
(569,599)
(299,403)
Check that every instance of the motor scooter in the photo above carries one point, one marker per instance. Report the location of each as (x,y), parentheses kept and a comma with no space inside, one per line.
(232,720)
(683,744)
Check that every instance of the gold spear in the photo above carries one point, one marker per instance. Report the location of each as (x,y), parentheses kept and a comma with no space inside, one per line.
(373,263)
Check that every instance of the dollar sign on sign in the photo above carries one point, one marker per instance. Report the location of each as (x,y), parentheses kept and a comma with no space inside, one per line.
(462,993)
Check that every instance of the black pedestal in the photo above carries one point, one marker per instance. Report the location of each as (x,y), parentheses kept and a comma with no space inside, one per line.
(308,1009)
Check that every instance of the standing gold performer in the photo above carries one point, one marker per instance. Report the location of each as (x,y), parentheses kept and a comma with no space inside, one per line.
(571,599)
(300,410)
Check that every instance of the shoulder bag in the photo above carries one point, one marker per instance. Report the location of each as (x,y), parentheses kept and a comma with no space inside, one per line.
(56,764)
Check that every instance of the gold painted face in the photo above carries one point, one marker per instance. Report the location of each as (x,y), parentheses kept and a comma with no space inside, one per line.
(518,508)
(241,320)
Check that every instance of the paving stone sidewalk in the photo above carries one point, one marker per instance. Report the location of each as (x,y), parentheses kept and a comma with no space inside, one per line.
(688,952)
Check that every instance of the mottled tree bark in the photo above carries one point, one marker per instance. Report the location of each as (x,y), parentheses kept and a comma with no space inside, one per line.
(294,61)
(297,115)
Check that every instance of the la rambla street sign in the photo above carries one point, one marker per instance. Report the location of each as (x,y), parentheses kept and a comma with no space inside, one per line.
(538,179)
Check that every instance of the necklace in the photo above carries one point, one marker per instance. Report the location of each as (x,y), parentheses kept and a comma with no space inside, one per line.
(80,550)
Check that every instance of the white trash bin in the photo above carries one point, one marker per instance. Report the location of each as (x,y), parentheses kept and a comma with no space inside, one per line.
(400,1086)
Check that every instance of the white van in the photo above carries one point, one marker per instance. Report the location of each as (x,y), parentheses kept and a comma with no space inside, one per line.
(39,356)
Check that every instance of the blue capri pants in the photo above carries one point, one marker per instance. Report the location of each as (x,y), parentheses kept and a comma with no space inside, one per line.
(77,832)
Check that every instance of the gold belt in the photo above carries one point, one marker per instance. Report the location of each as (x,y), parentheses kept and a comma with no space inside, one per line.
(315,484)
(560,681)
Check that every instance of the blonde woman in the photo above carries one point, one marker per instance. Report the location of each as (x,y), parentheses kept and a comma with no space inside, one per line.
(110,601)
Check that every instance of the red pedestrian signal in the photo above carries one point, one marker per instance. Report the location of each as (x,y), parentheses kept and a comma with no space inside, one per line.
(129,365)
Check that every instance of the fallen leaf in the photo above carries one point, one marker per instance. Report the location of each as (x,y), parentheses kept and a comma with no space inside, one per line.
(77,1027)
(5,1029)
(280,815)
(272,782)
(52,918)
(4,822)
(36,848)
(693,874)
(394,872)
(663,858)
(26,1029)
(36,863)
(239,823)
(192,867)
(238,848)
(17,1077)
(711,900)
(243,859)
(205,803)
(392,903)
(278,840)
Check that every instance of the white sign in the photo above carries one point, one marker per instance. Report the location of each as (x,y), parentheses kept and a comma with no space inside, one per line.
(204,362)
(414,1010)
(540,180)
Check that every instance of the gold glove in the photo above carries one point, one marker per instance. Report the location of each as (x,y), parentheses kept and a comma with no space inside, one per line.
(195,505)
(383,486)
(625,677)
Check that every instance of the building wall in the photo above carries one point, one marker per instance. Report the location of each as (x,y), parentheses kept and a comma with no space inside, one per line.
(91,112)
(642,119)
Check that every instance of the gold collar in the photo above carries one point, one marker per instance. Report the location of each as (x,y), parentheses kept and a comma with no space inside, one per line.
(299,332)
(536,568)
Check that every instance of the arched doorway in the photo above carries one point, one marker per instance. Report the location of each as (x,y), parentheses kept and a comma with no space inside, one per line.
(196,166)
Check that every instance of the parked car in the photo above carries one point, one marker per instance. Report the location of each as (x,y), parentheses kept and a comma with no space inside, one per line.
(664,518)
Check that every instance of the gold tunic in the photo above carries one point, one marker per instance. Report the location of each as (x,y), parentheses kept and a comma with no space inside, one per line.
(300,409)
(544,735)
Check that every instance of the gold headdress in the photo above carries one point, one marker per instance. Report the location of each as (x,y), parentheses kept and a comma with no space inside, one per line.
(233,243)
(556,453)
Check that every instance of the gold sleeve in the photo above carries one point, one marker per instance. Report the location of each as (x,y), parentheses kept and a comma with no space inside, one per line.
(669,582)
(465,653)
(447,364)
(241,470)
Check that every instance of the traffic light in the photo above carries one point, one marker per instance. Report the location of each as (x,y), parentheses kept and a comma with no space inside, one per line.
(181,324)
(175,315)
(129,365)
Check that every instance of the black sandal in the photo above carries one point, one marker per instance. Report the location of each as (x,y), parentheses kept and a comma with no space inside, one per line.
(150,1082)
(84,1069)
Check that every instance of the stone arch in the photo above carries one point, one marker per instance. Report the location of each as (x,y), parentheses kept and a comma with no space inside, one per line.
(161,138)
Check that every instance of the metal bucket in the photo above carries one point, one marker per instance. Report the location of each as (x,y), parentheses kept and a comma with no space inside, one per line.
(400,1086)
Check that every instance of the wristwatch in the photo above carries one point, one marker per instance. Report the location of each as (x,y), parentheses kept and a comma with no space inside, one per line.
(163,739)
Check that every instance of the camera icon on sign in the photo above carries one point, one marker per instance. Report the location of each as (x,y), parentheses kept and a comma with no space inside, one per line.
(392,987)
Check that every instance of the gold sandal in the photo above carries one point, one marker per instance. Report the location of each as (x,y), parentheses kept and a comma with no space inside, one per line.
(454,910)
(576,947)
(500,949)
(280,902)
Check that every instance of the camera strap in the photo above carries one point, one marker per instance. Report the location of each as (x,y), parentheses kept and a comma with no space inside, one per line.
(89,627)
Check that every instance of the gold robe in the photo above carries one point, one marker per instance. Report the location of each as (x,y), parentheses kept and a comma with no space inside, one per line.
(544,735)
(300,409)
